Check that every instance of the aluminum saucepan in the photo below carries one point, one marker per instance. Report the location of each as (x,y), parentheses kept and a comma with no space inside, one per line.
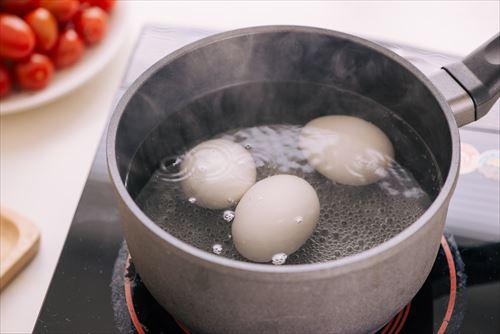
(355,294)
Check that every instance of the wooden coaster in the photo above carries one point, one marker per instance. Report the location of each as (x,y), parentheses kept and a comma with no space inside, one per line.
(19,243)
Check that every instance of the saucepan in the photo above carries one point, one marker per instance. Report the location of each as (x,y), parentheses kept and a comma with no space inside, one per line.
(354,294)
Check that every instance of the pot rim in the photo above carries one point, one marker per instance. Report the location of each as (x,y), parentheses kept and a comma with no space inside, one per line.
(346,263)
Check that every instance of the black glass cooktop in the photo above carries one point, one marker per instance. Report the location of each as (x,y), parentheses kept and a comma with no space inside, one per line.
(95,288)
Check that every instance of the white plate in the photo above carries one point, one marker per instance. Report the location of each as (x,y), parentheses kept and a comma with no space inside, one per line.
(67,80)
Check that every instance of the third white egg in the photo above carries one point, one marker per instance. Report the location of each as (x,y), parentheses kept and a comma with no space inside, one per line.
(346,149)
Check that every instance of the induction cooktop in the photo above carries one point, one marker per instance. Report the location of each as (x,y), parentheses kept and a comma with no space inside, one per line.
(95,288)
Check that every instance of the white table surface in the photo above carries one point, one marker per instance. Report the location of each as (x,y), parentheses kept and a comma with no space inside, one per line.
(46,153)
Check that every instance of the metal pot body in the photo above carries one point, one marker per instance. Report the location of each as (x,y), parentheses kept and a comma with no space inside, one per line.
(214,295)
(209,299)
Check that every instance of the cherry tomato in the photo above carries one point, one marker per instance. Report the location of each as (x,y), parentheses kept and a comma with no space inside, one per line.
(16,39)
(5,81)
(107,5)
(68,49)
(18,7)
(92,24)
(35,72)
(44,25)
(63,10)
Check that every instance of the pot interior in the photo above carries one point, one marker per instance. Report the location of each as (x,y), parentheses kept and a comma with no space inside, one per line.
(278,76)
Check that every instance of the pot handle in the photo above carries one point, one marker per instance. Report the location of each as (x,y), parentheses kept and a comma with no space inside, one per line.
(472,86)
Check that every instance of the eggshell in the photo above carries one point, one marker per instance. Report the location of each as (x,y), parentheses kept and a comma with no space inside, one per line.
(218,173)
(346,149)
(276,215)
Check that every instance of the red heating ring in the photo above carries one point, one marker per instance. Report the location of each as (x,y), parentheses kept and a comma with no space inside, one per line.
(393,327)
(453,285)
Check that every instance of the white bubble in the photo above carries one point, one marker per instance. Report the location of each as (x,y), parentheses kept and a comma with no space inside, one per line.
(279,259)
(177,161)
(192,200)
(217,249)
(299,219)
(228,215)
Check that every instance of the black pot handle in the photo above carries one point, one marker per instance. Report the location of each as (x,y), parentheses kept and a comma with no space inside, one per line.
(479,75)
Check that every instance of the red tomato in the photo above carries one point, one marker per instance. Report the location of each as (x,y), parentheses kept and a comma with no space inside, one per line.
(44,25)
(63,10)
(107,5)
(35,72)
(5,81)
(16,39)
(18,7)
(68,49)
(92,24)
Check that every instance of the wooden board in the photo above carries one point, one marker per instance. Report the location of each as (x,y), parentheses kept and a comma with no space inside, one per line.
(19,243)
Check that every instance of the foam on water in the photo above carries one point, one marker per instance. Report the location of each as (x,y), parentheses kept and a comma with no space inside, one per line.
(352,219)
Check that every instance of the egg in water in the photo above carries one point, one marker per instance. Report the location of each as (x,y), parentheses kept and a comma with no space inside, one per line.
(275,217)
(217,173)
(346,149)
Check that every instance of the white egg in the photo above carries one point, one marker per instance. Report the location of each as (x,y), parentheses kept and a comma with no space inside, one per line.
(218,173)
(346,149)
(276,215)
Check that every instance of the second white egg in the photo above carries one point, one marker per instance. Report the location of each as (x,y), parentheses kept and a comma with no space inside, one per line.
(277,215)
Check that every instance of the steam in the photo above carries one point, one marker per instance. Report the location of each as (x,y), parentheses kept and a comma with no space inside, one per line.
(265,77)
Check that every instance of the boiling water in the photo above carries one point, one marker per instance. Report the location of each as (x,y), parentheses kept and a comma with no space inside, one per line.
(352,219)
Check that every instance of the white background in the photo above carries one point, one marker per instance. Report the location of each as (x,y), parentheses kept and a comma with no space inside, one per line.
(46,153)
